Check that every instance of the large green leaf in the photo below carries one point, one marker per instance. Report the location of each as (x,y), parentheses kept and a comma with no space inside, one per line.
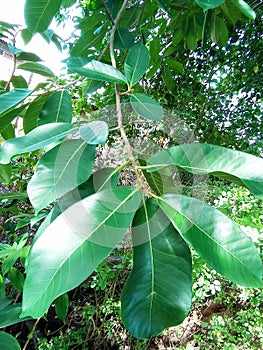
(209,4)
(59,170)
(239,167)
(37,68)
(136,63)
(33,111)
(8,342)
(11,315)
(146,107)
(39,14)
(58,108)
(94,133)
(74,244)
(11,99)
(35,139)
(216,238)
(10,115)
(95,70)
(158,292)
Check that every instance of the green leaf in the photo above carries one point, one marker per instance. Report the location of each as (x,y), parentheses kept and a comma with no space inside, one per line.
(61,306)
(11,99)
(196,158)
(5,173)
(176,66)
(215,238)
(35,67)
(246,9)
(219,31)
(136,63)
(26,36)
(209,4)
(86,41)
(39,14)
(158,292)
(59,170)
(74,244)
(13,195)
(146,107)
(16,278)
(28,56)
(95,70)
(57,108)
(35,139)
(19,82)
(11,315)
(94,133)
(32,114)
(9,116)
(4,302)
(155,49)
(123,39)
(8,132)
(8,342)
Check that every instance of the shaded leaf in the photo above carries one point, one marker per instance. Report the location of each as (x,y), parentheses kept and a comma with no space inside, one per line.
(5,173)
(94,133)
(37,68)
(176,66)
(74,244)
(215,238)
(238,167)
(8,342)
(11,315)
(136,63)
(57,108)
(61,306)
(158,292)
(35,139)
(123,39)
(146,107)
(59,170)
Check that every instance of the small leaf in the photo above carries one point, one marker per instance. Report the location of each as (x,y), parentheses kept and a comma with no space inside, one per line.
(123,39)
(158,292)
(59,170)
(176,66)
(196,158)
(19,82)
(61,306)
(216,238)
(16,278)
(57,108)
(95,70)
(35,139)
(8,342)
(37,68)
(11,99)
(146,107)
(39,14)
(209,4)
(74,244)
(26,36)
(246,9)
(94,133)
(136,63)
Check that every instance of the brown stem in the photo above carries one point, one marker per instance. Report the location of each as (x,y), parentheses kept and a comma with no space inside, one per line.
(30,336)
(117,95)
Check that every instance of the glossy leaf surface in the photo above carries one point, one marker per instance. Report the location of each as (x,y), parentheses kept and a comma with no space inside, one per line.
(158,292)
(36,139)
(59,170)
(58,108)
(74,244)
(238,167)
(209,4)
(136,63)
(94,133)
(37,68)
(216,238)
(8,342)
(39,14)
(11,99)
(146,107)
(95,70)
